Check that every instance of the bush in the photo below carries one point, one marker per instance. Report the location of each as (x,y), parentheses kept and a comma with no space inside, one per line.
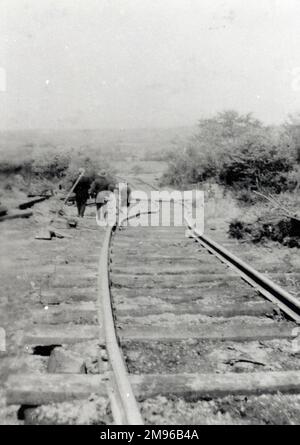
(92,165)
(238,152)
(50,165)
(257,162)
(284,230)
(10,167)
(39,165)
(43,167)
(187,167)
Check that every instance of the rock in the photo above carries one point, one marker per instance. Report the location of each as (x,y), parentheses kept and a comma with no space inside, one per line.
(103,355)
(92,366)
(91,353)
(64,361)
(44,234)
(72,223)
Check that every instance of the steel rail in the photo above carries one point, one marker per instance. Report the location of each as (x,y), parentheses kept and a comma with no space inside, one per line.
(289,304)
(272,291)
(124,405)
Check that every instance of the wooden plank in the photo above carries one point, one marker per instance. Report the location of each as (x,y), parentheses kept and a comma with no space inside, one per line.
(226,310)
(157,251)
(172,281)
(164,235)
(151,229)
(58,335)
(148,259)
(32,202)
(36,193)
(62,269)
(65,295)
(196,386)
(228,331)
(151,244)
(14,215)
(64,313)
(71,280)
(168,269)
(40,389)
(237,294)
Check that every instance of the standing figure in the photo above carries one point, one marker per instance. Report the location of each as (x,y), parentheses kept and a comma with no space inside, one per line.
(82,194)
(102,199)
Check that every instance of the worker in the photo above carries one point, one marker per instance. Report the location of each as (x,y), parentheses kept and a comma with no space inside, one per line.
(102,200)
(82,194)
(101,183)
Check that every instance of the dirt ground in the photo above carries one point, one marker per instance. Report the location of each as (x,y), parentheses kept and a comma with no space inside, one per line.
(28,266)
(278,262)
(281,263)
(234,410)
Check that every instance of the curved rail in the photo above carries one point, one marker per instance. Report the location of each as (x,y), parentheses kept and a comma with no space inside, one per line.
(124,405)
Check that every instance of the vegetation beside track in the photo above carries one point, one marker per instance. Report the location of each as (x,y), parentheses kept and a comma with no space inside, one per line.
(244,156)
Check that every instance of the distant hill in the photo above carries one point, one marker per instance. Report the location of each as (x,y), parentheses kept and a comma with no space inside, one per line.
(129,141)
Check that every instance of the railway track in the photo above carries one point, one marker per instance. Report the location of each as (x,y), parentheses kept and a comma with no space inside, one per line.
(175,318)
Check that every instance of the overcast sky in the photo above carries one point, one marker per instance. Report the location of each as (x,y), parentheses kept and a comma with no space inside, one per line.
(146,63)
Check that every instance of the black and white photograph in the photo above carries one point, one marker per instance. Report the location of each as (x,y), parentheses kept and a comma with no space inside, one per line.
(149,216)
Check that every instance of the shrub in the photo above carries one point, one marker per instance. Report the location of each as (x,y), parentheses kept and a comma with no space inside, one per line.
(284,230)
(238,152)
(41,168)
(91,163)
(50,165)
(257,162)
(187,167)
(9,167)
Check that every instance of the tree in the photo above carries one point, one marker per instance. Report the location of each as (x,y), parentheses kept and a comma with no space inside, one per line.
(238,151)
(225,128)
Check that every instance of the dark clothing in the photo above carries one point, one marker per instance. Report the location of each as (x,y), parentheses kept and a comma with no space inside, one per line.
(81,205)
(82,188)
(100,184)
(82,194)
